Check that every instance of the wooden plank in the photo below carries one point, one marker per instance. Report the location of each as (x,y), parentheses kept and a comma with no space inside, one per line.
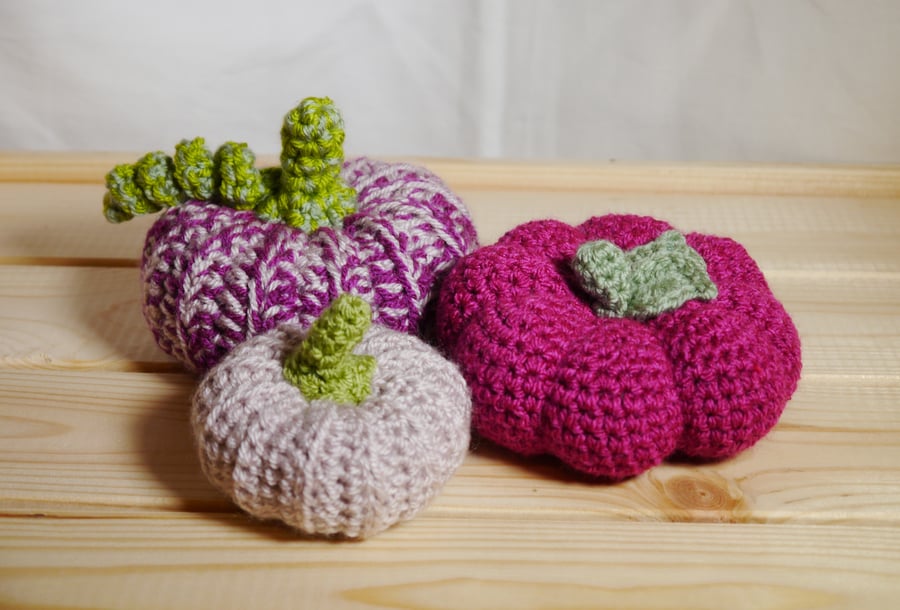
(86,317)
(54,223)
(60,167)
(63,223)
(512,562)
(85,441)
(76,443)
(75,317)
(781,232)
(755,179)
(685,178)
(811,512)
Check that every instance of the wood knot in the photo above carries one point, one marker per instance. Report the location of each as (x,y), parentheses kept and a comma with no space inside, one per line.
(710,497)
(691,492)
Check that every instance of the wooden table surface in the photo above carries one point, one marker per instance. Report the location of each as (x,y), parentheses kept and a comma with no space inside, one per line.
(103,505)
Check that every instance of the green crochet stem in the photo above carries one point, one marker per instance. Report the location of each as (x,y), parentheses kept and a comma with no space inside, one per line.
(645,281)
(323,365)
(305,192)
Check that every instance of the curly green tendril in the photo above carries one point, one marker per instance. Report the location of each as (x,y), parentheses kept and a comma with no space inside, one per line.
(305,192)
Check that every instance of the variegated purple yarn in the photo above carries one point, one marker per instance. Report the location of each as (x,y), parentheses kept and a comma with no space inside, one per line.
(214,276)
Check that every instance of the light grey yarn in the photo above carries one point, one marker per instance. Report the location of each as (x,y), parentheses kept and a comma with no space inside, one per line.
(327,468)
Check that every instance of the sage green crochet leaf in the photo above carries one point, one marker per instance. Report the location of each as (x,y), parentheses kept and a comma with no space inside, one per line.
(645,281)
(666,273)
(604,273)
(323,365)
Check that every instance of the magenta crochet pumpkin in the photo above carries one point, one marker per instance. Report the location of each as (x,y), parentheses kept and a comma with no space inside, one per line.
(584,342)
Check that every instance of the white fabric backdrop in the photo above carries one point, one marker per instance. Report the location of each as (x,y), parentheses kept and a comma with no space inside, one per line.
(795,80)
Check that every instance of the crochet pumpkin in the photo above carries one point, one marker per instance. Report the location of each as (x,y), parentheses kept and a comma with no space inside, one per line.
(267,280)
(616,343)
(339,429)
(239,250)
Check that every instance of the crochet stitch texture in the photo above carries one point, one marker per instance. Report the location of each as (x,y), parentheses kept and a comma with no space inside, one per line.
(214,276)
(328,467)
(324,365)
(613,396)
(268,280)
(306,191)
(644,281)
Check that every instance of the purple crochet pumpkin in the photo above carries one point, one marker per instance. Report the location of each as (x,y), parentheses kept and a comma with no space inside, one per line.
(617,343)
(240,250)
(214,276)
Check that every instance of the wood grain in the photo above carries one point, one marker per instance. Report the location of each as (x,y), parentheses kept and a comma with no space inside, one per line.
(64,222)
(513,562)
(77,441)
(715,179)
(88,317)
(103,504)
(75,317)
